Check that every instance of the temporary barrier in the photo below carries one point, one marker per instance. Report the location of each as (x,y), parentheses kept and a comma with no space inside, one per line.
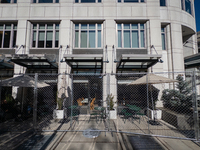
(155,104)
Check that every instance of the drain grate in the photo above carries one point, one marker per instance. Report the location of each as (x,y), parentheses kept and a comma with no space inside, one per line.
(91,133)
(144,142)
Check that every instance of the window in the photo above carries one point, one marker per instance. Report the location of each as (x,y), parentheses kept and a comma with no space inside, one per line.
(199,47)
(163,38)
(45,35)
(187,6)
(88,36)
(45,1)
(162,2)
(8,1)
(131,35)
(8,33)
(87,1)
(131,1)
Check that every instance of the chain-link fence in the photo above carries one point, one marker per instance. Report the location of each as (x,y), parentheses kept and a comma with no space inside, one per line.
(162,104)
(16,113)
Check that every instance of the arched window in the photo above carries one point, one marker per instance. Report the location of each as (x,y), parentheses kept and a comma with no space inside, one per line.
(187,6)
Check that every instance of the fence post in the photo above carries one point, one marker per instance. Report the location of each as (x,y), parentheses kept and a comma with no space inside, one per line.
(71,100)
(0,93)
(148,101)
(195,107)
(35,103)
(108,102)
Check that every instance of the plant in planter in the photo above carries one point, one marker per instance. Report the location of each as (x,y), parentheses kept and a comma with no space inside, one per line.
(110,103)
(59,103)
(58,113)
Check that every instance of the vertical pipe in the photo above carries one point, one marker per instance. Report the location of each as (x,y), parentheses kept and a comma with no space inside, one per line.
(35,103)
(195,109)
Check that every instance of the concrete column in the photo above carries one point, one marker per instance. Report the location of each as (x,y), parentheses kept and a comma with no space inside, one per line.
(109,40)
(155,40)
(21,40)
(177,47)
(65,40)
(168,46)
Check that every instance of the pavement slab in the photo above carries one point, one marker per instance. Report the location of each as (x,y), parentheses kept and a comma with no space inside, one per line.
(73,137)
(76,140)
(178,144)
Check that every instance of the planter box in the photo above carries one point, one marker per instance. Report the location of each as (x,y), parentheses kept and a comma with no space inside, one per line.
(113,114)
(155,113)
(58,114)
(180,121)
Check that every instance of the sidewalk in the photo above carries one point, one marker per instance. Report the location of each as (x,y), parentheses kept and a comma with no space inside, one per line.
(137,142)
(176,144)
(114,141)
(75,139)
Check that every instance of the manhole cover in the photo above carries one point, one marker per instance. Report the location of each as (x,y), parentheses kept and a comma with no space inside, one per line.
(91,133)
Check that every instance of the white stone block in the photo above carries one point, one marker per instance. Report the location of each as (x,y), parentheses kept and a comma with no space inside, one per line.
(37,12)
(95,11)
(124,11)
(108,13)
(65,12)
(139,11)
(51,11)
(80,11)
(9,12)
(23,12)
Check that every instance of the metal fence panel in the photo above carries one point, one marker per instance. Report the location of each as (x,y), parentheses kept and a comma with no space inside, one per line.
(46,102)
(155,106)
(77,98)
(16,113)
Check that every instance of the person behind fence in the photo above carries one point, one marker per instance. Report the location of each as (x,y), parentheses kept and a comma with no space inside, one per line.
(29,109)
